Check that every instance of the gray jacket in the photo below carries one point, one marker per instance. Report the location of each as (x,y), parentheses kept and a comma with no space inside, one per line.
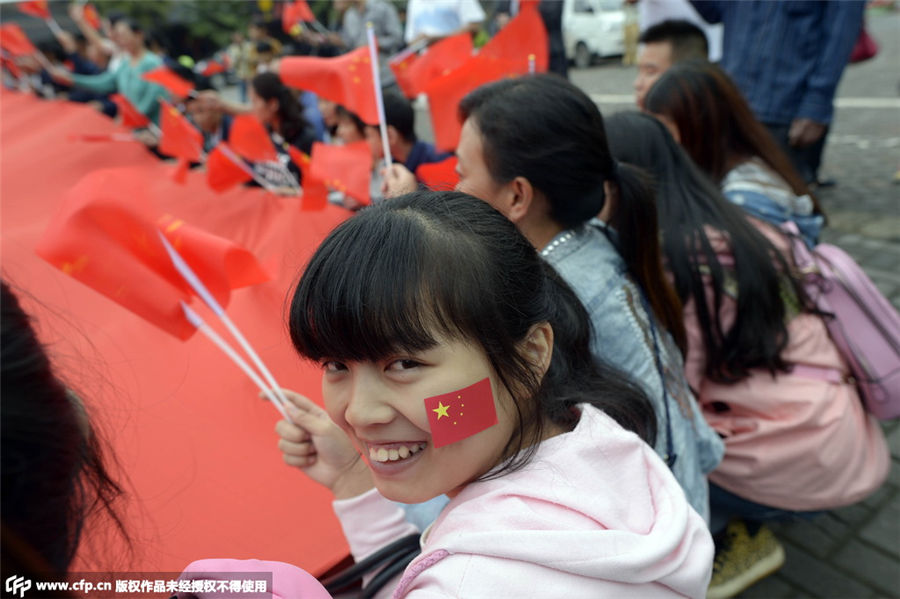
(623,337)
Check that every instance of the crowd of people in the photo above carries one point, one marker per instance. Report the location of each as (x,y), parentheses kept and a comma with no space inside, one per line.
(607,305)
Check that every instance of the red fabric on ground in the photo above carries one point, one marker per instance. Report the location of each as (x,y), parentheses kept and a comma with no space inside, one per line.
(205,478)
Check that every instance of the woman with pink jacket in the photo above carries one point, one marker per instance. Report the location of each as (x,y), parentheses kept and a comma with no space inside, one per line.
(767,375)
(455,361)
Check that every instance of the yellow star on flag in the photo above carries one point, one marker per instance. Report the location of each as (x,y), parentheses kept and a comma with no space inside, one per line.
(441,410)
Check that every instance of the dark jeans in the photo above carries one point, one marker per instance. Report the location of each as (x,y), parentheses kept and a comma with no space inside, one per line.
(725,505)
(807,159)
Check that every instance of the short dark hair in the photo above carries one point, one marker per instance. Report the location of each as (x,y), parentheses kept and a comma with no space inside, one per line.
(688,41)
(441,263)
(399,114)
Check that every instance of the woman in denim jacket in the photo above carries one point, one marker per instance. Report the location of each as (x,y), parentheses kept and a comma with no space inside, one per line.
(535,149)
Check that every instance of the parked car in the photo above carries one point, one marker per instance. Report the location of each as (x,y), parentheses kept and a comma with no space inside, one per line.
(593,28)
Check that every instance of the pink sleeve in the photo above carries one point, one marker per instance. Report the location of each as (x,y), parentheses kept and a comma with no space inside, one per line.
(370,522)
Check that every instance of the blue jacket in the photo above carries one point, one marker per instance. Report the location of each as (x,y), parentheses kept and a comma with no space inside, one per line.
(623,337)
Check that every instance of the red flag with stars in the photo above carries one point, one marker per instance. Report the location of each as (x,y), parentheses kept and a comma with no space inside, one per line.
(249,138)
(439,176)
(460,414)
(166,77)
(14,40)
(445,94)
(35,8)
(440,59)
(180,139)
(346,168)
(315,192)
(523,36)
(131,117)
(222,172)
(345,79)
(106,235)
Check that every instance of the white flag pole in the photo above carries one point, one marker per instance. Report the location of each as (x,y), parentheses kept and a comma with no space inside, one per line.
(531,67)
(213,336)
(197,285)
(376,79)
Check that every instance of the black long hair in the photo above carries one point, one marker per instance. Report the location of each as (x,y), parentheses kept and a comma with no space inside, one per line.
(446,264)
(292,123)
(545,129)
(688,203)
(54,473)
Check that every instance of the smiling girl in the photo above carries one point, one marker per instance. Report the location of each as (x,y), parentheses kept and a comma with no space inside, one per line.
(455,361)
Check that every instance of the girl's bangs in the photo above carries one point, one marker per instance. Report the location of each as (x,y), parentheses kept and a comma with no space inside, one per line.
(371,291)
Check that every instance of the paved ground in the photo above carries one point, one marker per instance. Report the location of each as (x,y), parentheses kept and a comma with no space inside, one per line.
(854,551)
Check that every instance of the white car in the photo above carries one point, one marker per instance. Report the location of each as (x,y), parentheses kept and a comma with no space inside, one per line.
(593,28)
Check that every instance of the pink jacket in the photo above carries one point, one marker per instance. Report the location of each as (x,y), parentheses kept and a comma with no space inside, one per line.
(792,441)
(595,514)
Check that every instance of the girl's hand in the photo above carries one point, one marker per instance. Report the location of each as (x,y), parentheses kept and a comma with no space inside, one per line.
(397,180)
(312,442)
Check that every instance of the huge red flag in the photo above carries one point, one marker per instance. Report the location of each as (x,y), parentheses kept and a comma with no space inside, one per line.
(523,36)
(345,79)
(106,235)
(180,139)
(14,40)
(222,172)
(167,78)
(445,94)
(35,8)
(315,192)
(249,138)
(439,176)
(131,117)
(440,59)
(294,13)
(345,168)
(460,414)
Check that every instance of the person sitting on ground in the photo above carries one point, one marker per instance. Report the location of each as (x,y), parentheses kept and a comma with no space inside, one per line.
(443,374)
(709,117)
(768,377)
(535,148)
(663,45)
(405,147)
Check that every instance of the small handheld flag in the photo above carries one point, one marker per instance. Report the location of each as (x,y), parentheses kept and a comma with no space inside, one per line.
(460,414)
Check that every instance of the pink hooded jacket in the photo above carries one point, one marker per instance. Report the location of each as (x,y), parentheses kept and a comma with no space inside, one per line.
(596,513)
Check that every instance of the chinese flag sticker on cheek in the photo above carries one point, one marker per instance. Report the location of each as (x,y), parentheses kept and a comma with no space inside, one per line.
(460,414)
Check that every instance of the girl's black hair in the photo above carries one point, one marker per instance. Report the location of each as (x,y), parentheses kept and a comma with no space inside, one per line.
(545,129)
(401,273)
(293,124)
(54,476)
(688,203)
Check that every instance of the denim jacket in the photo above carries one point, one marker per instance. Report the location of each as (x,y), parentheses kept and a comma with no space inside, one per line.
(623,337)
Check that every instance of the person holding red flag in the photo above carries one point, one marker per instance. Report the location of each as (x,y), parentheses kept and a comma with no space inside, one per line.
(442,374)
(126,78)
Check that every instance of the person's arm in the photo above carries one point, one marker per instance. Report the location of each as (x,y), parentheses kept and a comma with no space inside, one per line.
(76,12)
(102,83)
(841,24)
